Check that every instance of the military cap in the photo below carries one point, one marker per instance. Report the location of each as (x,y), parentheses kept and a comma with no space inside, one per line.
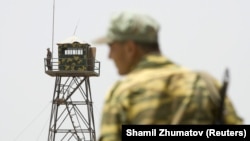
(128,25)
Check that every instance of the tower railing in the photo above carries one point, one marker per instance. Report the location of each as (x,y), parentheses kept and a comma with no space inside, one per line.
(52,67)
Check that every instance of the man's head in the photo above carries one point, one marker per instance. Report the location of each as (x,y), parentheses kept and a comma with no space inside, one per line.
(131,26)
(130,36)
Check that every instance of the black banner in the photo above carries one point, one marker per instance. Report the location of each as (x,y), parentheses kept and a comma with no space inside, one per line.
(193,132)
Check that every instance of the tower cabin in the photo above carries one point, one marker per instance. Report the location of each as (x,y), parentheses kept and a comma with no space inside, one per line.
(75,58)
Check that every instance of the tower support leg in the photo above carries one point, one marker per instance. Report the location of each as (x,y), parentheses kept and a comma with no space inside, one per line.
(72,117)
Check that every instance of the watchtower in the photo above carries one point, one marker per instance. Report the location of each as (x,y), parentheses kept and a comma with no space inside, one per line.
(72,117)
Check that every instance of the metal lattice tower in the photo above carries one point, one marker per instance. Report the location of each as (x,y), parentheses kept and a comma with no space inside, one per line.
(72,117)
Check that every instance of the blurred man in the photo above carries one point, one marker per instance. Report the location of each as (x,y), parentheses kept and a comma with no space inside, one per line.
(154,90)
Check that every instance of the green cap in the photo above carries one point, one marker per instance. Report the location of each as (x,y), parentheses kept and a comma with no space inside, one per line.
(129,25)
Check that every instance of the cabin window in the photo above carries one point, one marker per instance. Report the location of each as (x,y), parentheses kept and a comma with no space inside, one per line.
(73,51)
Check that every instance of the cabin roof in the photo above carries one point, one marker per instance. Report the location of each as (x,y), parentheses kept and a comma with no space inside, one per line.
(71,40)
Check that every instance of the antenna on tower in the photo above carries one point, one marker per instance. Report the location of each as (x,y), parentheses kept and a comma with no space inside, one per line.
(53,24)
(76,27)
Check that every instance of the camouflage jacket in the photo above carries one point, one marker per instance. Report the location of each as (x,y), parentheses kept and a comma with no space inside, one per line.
(158,91)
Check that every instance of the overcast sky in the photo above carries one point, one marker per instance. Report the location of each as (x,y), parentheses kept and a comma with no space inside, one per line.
(205,35)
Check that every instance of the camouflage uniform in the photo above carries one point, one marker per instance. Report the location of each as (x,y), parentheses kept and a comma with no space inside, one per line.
(157,91)
(154,92)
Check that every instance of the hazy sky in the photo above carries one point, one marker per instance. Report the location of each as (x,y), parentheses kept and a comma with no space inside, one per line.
(200,34)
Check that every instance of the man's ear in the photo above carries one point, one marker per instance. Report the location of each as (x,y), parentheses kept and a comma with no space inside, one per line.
(131,48)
